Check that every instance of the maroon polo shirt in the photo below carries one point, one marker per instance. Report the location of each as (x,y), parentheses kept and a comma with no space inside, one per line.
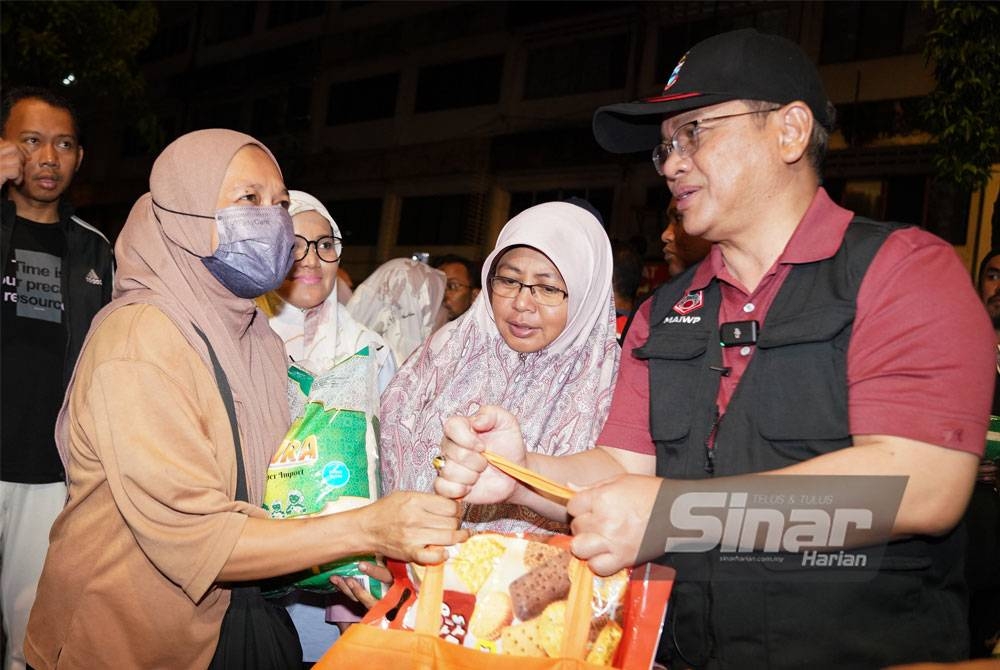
(921,360)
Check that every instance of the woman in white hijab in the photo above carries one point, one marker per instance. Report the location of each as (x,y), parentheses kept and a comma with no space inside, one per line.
(402,302)
(539,340)
(319,333)
(305,311)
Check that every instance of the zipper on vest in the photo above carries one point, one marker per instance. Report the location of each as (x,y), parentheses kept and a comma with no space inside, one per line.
(710,442)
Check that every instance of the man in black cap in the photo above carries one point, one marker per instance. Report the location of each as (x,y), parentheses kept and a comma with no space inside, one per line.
(808,342)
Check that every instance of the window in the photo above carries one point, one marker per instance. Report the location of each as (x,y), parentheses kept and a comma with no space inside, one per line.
(299,60)
(600,198)
(917,199)
(674,40)
(946,213)
(577,67)
(863,30)
(410,33)
(282,13)
(168,41)
(864,122)
(530,14)
(358,220)
(281,111)
(267,115)
(436,219)
(552,148)
(463,84)
(220,115)
(228,21)
(299,103)
(362,99)
(148,135)
(906,201)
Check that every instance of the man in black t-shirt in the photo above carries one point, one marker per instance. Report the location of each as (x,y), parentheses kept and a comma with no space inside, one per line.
(56,274)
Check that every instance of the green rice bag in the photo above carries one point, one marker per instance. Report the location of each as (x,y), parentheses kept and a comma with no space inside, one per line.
(328,460)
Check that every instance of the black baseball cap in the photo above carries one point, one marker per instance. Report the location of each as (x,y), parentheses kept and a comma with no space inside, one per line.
(738,65)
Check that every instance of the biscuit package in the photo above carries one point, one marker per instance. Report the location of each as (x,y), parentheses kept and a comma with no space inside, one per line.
(527,596)
(327,461)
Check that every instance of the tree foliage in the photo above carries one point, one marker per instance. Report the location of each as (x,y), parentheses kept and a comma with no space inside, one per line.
(95,41)
(963,111)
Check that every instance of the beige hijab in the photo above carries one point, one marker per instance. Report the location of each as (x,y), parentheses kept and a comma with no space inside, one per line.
(159,263)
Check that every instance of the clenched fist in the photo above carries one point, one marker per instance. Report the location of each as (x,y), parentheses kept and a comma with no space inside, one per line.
(12,158)
(412,526)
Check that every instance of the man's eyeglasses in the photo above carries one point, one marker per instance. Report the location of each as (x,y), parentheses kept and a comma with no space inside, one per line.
(685,140)
(543,294)
(327,248)
(455,286)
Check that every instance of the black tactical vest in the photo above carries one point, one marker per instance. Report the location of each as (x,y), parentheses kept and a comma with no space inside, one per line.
(790,406)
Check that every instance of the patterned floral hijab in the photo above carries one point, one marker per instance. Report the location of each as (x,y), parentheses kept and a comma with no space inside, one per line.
(561,394)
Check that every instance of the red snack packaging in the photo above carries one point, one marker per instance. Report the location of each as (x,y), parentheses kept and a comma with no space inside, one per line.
(510,601)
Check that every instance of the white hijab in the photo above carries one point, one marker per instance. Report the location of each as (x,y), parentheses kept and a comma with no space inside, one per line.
(325,335)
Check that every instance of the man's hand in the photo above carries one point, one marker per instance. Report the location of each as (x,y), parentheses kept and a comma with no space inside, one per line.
(412,526)
(610,520)
(12,158)
(466,474)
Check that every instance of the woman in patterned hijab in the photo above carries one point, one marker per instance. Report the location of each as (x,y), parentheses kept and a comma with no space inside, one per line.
(552,365)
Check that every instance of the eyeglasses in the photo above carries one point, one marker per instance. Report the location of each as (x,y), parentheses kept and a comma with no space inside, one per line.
(685,139)
(543,294)
(327,248)
(454,286)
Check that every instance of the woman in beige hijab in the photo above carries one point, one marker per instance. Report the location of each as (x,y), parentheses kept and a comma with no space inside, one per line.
(139,560)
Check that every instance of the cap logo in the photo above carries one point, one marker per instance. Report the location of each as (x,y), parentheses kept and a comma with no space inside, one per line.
(677,70)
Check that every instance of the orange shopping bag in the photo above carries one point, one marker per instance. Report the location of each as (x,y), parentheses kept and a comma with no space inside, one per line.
(502,602)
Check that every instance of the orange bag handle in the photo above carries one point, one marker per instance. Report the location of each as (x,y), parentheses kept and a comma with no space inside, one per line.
(529,477)
(430,599)
(578,610)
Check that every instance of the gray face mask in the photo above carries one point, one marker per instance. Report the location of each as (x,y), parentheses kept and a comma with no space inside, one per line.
(255,249)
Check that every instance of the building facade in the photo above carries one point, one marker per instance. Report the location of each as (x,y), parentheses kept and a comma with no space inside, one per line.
(426,125)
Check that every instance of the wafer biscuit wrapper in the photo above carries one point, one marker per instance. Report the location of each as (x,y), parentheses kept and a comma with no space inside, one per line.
(527,596)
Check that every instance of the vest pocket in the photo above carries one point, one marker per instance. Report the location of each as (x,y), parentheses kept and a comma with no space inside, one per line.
(802,404)
(686,639)
(831,624)
(677,356)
